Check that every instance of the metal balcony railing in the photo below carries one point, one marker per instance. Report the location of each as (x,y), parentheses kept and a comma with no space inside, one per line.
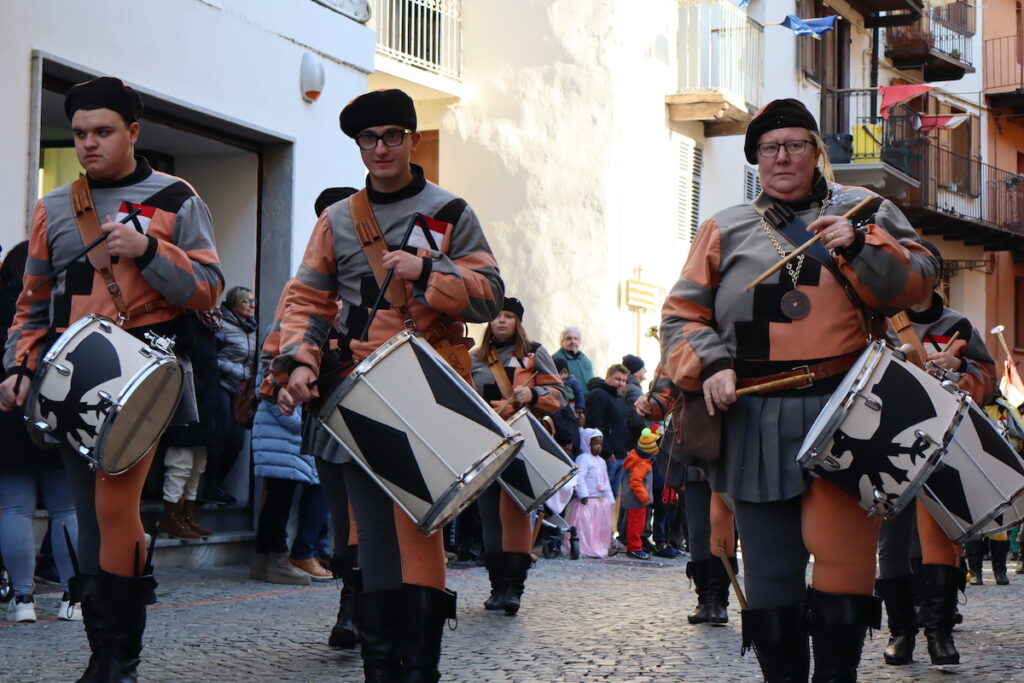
(949,29)
(720,50)
(856,133)
(1003,64)
(426,34)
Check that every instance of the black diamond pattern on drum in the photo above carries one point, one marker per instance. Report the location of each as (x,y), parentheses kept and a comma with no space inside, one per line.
(992,443)
(387,452)
(948,488)
(516,476)
(547,443)
(450,395)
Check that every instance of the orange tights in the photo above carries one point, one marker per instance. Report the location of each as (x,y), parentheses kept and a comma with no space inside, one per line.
(122,538)
(936,548)
(516,530)
(723,529)
(423,560)
(842,538)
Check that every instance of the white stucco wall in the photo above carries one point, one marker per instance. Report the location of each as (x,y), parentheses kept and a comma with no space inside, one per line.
(236,58)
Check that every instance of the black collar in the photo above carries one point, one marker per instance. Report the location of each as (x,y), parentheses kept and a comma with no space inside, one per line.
(929,316)
(141,172)
(414,187)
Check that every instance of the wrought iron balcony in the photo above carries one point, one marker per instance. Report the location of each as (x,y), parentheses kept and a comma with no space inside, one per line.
(1004,73)
(940,45)
(720,58)
(426,34)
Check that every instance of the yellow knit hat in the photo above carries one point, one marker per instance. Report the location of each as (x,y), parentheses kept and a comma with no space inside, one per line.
(648,442)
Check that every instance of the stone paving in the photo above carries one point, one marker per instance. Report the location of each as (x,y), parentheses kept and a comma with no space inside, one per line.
(586,620)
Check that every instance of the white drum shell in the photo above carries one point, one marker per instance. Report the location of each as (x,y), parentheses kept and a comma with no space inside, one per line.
(431,459)
(143,390)
(883,483)
(540,469)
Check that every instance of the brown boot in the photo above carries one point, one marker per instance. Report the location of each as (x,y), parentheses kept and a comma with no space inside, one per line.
(187,516)
(172,524)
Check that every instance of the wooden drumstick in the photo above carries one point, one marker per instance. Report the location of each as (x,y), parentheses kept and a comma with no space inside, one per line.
(740,597)
(950,342)
(509,399)
(776,384)
(808,244)
(998,329)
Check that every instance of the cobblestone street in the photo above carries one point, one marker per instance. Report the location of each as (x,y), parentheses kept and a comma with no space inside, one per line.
(615,620)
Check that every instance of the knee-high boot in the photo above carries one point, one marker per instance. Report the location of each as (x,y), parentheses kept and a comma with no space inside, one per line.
(379,617)
(425,612)
(514,568)
(114,612)
(779,639)
(975,557)
(938,601)
(345,634)
(838,624)
(718,578)
(999,551)
(496,600)
(898,595)
(698,572)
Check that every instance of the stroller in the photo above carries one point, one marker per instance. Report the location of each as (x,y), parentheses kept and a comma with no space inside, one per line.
(552,546)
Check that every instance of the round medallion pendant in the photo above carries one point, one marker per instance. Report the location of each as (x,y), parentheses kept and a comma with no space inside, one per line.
(795,305)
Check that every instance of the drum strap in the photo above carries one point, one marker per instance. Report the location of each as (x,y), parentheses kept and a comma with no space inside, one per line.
(500,376)
(89,227)
(905,333)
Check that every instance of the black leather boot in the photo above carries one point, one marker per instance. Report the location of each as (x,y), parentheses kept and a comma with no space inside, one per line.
(975,557)
(779,639)
(999,550)
(898,595)
(380,617)
(344,633)
(718,612)
(698,572)
(116,620)
(496,600)
(938,600)
(514,568)
(426,610)
(838,624)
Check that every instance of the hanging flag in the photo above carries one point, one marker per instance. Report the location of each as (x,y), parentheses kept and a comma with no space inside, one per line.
(1011,385)
(927,122)
(809,27)
(896,94)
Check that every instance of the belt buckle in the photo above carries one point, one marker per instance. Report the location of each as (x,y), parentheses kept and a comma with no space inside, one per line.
(804,370)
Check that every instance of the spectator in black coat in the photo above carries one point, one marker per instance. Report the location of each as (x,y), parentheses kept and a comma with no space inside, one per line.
(606,410)
(633,391)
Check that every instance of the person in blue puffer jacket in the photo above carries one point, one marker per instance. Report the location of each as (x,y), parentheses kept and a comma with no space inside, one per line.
(277,457)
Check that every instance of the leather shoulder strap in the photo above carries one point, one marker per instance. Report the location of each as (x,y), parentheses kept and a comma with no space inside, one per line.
(372,240)
(905,333)
(500,376)
(89,227)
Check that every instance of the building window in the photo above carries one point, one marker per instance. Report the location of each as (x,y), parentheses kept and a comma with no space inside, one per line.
(751,183)
(691,162)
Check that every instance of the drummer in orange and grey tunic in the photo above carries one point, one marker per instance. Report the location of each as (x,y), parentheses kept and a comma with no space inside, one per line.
(449,275)
(715,334)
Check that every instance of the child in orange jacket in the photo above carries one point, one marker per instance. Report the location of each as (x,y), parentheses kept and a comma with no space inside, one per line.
(637,491)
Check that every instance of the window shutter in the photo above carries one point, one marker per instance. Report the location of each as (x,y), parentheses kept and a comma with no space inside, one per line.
(690,163)
(751,183)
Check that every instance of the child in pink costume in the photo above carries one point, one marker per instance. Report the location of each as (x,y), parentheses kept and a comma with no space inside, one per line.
(591,510)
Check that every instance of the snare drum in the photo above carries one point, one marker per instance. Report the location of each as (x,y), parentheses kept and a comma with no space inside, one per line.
(884,430)
(978,488)
(540,469)
(104,393)
(419,430)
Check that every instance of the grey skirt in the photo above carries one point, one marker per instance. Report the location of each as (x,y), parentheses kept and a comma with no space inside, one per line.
(761,440)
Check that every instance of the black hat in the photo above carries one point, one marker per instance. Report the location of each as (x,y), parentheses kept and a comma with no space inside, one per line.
(514,306)
(787,113)
(562,364)
(936,253)
(104,92)
(633,363)
(332,195)
(378,108)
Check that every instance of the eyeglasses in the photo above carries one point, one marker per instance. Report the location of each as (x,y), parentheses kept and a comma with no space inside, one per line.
(391,138)
(248,301)
(794,148)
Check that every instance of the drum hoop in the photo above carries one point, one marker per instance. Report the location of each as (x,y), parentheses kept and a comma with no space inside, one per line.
(364,366)
(131,387)
(553,489)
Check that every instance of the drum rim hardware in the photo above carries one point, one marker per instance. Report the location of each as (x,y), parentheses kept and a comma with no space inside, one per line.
(515,493)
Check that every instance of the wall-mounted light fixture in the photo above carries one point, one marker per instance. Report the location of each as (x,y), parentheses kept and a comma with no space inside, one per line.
(311,77)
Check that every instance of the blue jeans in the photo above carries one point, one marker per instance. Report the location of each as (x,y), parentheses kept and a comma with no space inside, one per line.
(17,505)
(310,535)
(615,471)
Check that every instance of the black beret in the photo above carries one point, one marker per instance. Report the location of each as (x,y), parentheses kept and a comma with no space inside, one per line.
(936,253)
(787,113)
(378,108)
(104,92)
(514,306)
(331,195)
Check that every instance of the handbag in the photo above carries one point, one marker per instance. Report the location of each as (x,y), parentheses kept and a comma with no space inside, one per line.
(243,405)
(698,434)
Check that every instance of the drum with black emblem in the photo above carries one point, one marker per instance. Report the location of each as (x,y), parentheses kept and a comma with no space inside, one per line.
(540,469)
(105,394)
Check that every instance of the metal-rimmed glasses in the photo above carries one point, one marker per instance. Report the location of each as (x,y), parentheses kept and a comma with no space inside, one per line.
(794,148)
(391,138)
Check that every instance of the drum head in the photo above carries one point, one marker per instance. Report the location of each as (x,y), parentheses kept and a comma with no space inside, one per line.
(131,432)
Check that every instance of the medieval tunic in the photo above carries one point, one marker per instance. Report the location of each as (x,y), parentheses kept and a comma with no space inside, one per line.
(548,392)
(710,323)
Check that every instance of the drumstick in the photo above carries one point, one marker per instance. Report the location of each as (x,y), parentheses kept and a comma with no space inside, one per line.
(807,245)
(387,279)
(89,247)
(21,376)
(776,384)
(541,514)
(509,399)
(950,342)
(740,597)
